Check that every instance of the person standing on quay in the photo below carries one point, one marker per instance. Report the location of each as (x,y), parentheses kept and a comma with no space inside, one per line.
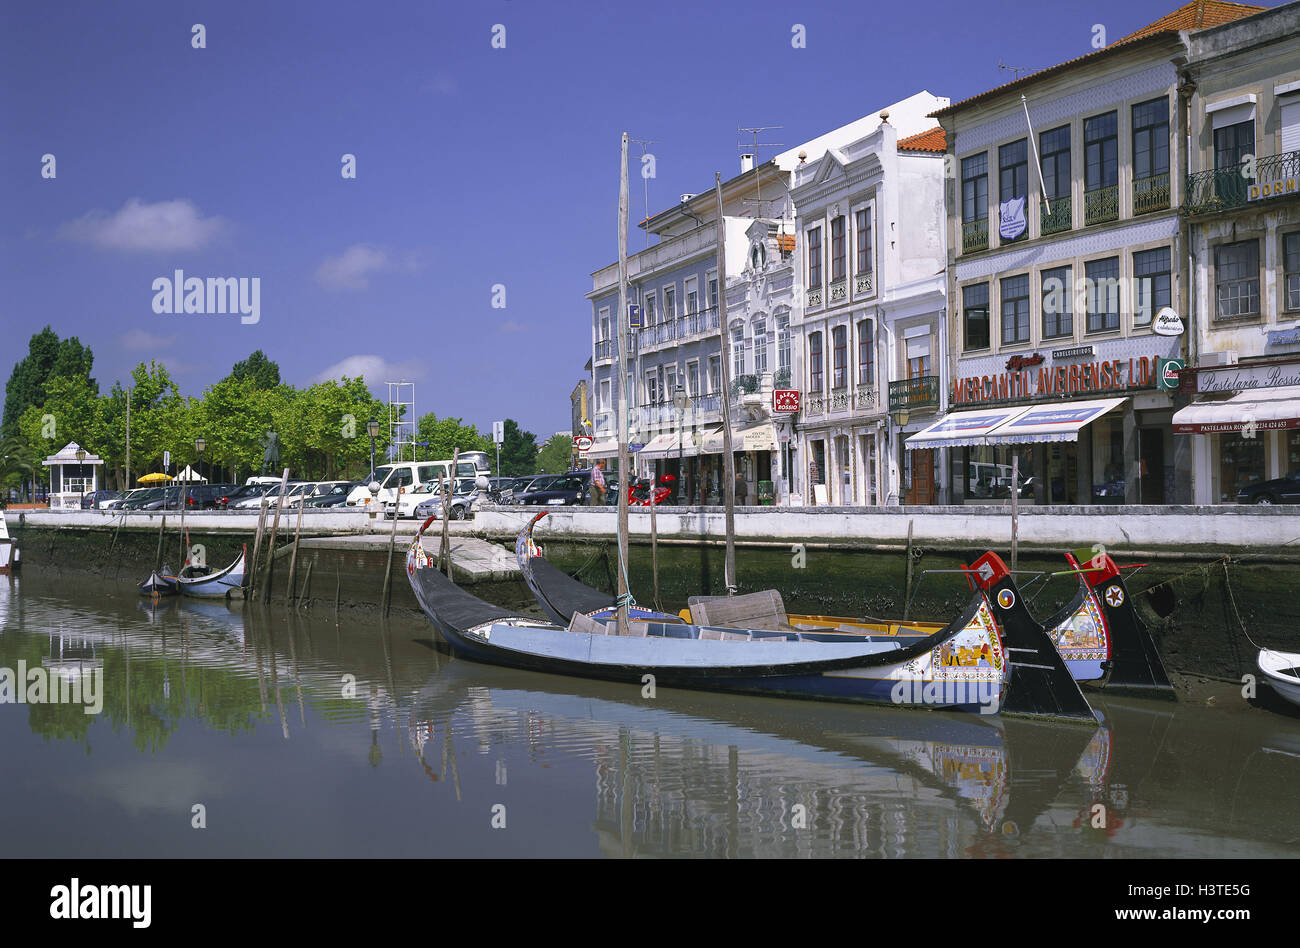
(742,489)
(596,496)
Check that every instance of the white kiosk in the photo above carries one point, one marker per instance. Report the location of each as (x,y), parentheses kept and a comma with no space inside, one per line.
(73,474)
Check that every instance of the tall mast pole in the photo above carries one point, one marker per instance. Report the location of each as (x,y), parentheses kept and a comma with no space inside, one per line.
(624,474)
(728,461)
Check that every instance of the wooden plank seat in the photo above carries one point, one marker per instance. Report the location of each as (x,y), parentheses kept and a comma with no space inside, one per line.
(762,610)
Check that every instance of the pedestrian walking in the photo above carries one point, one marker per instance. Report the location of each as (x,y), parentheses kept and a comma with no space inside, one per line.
(742,489)
(596,496)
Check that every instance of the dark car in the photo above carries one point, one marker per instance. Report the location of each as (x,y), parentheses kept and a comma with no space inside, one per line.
(206,496)
(336,496)
(243,492)
(96,499)
(146,496)
(1282,490)
(562,489)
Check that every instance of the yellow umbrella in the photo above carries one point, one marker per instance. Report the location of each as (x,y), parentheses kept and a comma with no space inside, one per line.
(153,479)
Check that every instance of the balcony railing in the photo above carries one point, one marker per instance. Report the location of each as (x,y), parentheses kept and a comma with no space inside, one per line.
(814,404)
(814,297)
(604,350)
(839,399)
(744,385)
(706,403)
(1057,215)
(1151,194)
(1101,204)
(1210,191)
(864,283)
(838,290)
(781,378)
(865,398)
(914,394)
(975,235)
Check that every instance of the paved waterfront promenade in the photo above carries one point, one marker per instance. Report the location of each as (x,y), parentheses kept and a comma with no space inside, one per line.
(1159,531)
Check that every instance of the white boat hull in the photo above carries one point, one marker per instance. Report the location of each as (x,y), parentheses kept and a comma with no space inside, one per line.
(1282,671)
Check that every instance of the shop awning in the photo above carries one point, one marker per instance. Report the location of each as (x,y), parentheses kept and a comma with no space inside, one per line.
(962,428)
(759,437)
(665,446)
(1268,409)
(1060,421)
(602,449)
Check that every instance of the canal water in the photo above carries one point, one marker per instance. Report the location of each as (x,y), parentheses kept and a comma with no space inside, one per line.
(253,731)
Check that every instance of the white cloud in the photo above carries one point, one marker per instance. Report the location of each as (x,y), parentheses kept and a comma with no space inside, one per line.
(163,226)
(352,268)
(376,370)
(512,328)
(141,340)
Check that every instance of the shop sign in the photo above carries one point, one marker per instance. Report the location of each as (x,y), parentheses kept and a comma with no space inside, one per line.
(1018,362)
(1284,337)
(1167,373)
(785,400)
(1112,375)
(1167,323)
(1245,378)
(634,318)
(1276,188)
(1011,218)
(582,443)
(1074,352)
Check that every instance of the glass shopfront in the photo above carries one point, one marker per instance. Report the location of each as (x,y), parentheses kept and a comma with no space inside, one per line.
(989,469)
(1242,461)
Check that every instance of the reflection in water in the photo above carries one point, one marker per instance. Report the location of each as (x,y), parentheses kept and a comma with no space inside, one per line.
(281,709)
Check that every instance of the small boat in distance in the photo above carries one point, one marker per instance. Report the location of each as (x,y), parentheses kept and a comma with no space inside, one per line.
(1282,671)
(160,583)
(9,552)
(203,582)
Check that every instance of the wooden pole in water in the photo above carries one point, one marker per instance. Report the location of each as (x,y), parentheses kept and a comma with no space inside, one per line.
(388,569)
(270,545)
(728,460)
(185,555)
(446,512)
(1015,507)
(338,591)
(621,421)
(306,583)
(257,547)
(293,561)
(161,529)
(654,543)
(907,572)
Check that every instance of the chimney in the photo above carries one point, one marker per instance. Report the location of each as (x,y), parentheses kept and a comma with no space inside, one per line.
(746,163)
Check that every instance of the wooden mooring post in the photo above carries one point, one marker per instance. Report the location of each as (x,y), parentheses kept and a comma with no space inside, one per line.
(293,561)
(270,545)
(907,572)
(1015,509)
(257,548)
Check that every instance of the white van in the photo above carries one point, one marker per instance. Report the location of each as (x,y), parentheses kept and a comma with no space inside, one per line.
(398,478)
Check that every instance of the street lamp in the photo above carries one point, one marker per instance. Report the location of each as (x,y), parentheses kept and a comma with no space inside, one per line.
(372,429)
(200,445)
(81,477)
(680,402)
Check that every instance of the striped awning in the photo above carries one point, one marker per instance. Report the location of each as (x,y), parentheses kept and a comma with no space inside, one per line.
(1061,421)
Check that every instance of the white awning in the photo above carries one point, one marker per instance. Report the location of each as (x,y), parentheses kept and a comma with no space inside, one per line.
(665,446)
(1059,421)
(759,437)
(602,449)
(1267,409)
(962,428)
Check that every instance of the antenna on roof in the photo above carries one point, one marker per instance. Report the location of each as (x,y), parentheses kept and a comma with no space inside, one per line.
(643,142)
(753,148)
(1015,69)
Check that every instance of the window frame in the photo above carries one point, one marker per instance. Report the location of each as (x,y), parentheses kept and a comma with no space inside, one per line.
(866,352)
(967,307)
(1024,319)
(1090,325)
(1219,283)
(839,357)
(814,237)
(865,250)
(839,248)
(1155,305)
(1104,161)
(1066,294)
(815,362)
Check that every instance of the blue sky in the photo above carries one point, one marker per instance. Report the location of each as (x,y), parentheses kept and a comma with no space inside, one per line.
(475,166)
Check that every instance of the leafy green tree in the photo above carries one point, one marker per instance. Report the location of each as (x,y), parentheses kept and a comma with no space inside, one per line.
(47,357)
(18,464)
(258,369)
(556,455)
(518,451)
(447,435)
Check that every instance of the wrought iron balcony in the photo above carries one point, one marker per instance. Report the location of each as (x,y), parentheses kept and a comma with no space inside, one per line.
(781,378)
(1151,194)
(1057,215)
(744,385)
(1101,204)
(1228,188)
(915,394)
(975,235)
(604,350)
(706,403)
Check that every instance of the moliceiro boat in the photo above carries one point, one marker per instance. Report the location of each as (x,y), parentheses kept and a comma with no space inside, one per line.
(160,583)
(10,555)
(969,664)
(206,583)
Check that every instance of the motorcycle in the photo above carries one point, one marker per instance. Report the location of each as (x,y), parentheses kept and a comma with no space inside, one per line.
(638,492)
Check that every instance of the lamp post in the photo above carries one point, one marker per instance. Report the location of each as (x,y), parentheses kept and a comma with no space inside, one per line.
(200,445)
(680,401)
(81,477)
(372,429)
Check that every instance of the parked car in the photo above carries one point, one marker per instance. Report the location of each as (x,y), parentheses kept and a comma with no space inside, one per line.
(464,502)
(205,496)
(96,499)
(117,502)
(254,500)
(144,495)
(335,496)
(236,494)
(1281,490)
(563,489)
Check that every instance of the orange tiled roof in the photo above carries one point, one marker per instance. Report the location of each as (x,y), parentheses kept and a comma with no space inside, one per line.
(931,140)
(785,242)
(1197,15)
